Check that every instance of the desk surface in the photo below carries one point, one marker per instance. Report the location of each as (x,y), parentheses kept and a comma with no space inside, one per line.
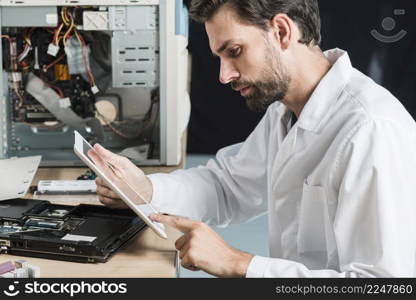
(145,255)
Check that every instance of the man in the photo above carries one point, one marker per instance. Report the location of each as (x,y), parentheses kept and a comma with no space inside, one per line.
(332,162)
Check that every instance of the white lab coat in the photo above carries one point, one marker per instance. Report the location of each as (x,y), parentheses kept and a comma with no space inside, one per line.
(339,186)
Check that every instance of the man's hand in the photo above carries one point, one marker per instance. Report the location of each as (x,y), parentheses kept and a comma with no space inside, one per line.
(126,175)
(201,248)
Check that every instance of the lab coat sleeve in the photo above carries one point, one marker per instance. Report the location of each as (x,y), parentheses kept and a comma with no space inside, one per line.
(374,224)
(230,189)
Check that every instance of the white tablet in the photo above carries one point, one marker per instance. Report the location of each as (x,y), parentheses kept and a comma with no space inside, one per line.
(119,185)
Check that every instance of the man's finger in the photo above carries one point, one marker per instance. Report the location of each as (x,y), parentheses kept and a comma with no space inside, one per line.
(181,224)
(99,181)
(107,201)
(99,161)
(106,192)
(112,203)
(179,244)
(96,159)
(108,155)
(184,251)
(187,263)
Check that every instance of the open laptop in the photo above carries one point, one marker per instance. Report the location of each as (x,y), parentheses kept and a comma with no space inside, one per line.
(83,233)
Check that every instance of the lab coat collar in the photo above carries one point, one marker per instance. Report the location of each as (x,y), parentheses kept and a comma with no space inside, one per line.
(327,92)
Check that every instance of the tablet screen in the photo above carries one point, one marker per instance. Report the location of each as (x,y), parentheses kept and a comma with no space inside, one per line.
(125,184)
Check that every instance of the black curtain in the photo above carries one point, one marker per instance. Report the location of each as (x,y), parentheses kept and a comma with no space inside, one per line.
(219,116)
(348,25)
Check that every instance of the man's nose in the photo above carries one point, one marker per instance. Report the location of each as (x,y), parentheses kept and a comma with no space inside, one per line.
(228,72)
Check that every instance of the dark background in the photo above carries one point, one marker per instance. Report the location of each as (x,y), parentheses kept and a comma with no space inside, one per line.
(219,116)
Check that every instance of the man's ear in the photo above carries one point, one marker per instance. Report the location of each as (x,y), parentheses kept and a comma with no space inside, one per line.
(282,27)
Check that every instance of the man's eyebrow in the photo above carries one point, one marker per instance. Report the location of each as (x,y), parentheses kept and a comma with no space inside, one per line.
(222,48)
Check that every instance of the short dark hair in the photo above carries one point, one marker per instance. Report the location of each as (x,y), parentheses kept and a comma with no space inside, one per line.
(259,12)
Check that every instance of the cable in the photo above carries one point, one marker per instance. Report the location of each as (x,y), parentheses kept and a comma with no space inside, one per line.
(69,22)
(27,36)
(28,45)
(64,15)
(24,54)
(116,131)
(57,89)
(84,57)
(12,52)
(70,17)
(14,68)
(148,121)
(56,35)
(45,68)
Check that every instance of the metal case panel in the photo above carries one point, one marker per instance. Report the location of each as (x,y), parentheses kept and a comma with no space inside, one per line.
(135,59)
(45,16)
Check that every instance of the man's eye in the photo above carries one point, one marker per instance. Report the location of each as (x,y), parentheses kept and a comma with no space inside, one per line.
(235,52)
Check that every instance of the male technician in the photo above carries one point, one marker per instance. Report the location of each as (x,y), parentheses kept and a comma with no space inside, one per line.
(333,162)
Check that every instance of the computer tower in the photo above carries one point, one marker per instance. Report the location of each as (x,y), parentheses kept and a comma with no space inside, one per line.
(116,70)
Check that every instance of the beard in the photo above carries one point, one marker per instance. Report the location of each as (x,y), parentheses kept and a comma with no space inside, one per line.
(272,85)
